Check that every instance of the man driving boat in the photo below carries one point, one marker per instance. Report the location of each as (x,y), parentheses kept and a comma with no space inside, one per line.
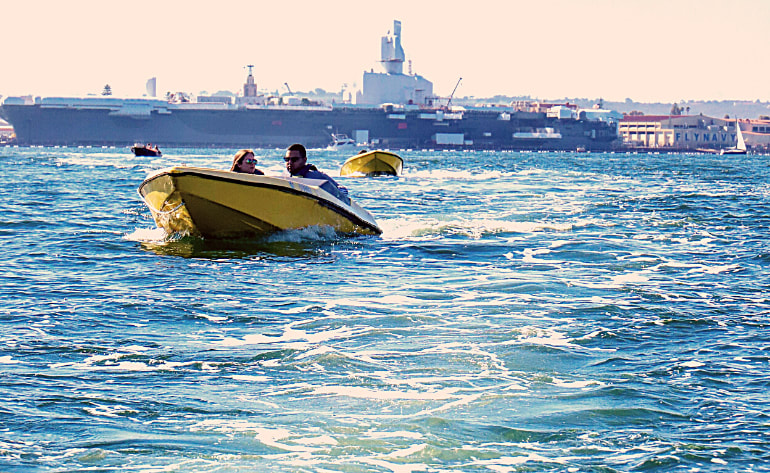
(297,166)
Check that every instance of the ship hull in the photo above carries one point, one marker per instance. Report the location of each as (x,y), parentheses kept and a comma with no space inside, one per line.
(38,124)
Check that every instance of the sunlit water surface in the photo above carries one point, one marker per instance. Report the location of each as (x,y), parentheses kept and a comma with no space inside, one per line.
(520,312)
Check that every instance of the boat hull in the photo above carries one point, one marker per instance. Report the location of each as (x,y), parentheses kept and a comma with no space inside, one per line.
(143,151)
(89,122)
(221,204)
(373,163)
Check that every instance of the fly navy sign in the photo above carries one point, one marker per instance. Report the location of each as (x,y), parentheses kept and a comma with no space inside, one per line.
(705,137)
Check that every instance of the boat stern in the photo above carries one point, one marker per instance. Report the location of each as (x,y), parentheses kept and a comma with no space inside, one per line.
(373,163)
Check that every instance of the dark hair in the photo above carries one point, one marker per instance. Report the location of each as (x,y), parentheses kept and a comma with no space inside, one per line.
(239,157)
(298,147)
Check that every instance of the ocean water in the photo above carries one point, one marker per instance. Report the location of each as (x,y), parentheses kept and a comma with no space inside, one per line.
(521,312)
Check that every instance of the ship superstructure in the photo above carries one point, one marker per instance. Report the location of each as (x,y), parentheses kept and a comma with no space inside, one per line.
(393,86)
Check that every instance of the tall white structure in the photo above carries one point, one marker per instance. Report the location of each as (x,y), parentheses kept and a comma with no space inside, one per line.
(392,53)
(394,86)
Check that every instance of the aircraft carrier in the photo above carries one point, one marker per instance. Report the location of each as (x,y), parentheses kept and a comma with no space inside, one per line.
(393,111)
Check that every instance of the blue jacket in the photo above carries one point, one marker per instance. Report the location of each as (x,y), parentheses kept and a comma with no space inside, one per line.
(311,172)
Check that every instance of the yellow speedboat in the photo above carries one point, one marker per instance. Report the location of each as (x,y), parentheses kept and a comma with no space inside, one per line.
(223,204)
(373,163)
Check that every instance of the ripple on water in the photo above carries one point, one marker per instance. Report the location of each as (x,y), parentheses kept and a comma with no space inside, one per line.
(538,311)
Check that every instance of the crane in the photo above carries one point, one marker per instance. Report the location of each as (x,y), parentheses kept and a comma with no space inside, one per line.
(288,88)
(449,102)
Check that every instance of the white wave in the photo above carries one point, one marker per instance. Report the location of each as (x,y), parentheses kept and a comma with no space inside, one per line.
(725,268)
(542,336)
(147,366)
(313,233)
(469,399)
(698,267)
(529,256)
(109,411)
(147,235)
(676,264)
(280,438)
(251,378)
(100,160)
(447,174)
(8,360)
(391,466)
(315,352)
(436,383)
(504,464)
(431,228)
(395,434)
(292,335)
(575,384)
(320,440)
(629,278)
(383,301)
(555,244)
(114,362)
(604,301)
(367,393)
(211,318)
(637,258)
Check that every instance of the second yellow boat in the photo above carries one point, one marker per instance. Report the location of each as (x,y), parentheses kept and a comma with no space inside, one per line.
(373,163)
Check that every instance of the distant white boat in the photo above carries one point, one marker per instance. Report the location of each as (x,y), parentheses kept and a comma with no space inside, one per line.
(740,148)
(341,141)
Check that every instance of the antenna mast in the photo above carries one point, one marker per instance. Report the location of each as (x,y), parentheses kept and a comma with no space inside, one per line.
(250,88)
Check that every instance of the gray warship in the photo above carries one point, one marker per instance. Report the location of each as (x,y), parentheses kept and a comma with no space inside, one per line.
(394,110)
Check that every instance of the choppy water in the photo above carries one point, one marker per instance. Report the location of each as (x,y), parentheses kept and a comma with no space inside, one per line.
(520,312)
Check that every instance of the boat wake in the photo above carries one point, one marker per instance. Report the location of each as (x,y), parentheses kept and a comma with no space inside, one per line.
(304,242)
(313,233)
(405,228)
(308,234)
(151,235)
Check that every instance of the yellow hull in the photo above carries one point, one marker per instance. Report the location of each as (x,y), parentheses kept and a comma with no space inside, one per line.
(373,163)
(223,204)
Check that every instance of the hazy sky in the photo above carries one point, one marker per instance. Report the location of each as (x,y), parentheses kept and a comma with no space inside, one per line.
(646,50)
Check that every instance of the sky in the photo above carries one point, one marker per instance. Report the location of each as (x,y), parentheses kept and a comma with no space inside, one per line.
(645,50)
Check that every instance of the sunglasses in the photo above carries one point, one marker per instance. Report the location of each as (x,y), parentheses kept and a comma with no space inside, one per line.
(250,161)
(292,159)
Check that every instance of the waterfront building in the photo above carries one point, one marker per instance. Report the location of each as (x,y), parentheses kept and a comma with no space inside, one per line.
(756,132)
(677,132)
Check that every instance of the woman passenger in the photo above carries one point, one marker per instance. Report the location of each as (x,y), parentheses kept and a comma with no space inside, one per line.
(245,162)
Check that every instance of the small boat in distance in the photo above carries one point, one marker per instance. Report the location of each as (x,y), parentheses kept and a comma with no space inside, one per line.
(373,163)
(341,141)
(221,204)
(146,150)
(740,148)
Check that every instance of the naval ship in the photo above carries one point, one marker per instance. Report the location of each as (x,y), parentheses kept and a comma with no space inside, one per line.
(393,110)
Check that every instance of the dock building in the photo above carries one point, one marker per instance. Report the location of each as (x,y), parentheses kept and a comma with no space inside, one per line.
(677,132)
